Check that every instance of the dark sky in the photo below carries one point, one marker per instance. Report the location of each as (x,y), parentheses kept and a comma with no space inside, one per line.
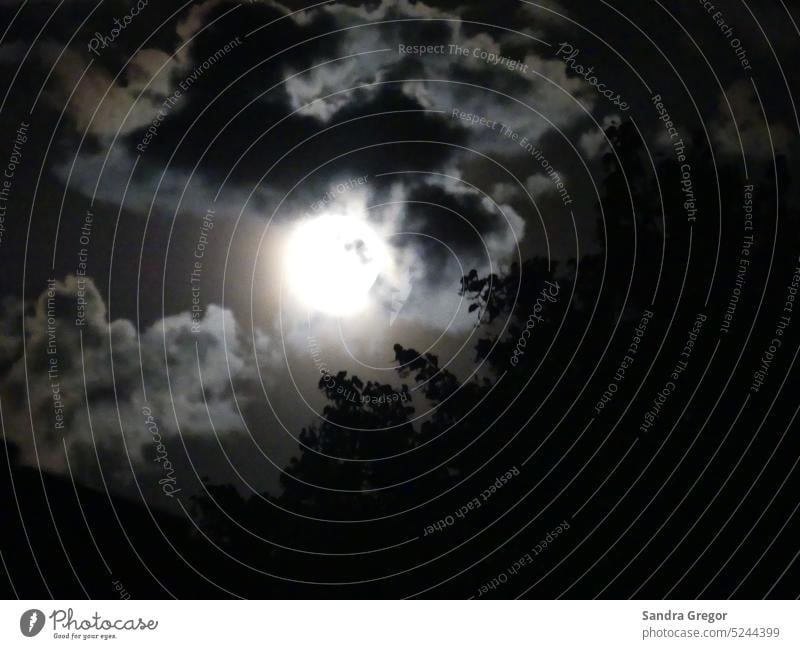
(301,102)
(486,135)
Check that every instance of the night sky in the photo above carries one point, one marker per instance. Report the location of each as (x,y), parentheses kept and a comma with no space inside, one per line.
(396,298)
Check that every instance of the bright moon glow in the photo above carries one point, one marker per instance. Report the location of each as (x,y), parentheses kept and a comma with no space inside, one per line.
(332,262)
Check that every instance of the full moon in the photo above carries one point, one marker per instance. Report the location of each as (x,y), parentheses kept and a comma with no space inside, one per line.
(332,261)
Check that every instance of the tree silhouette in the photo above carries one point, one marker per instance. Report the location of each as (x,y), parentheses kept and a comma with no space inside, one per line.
(382,450)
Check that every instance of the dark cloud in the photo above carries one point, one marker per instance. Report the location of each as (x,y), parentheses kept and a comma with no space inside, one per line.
(103,366)
(464,223)
(267,129)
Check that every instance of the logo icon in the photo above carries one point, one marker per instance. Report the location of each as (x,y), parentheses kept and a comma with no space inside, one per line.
(31,622)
